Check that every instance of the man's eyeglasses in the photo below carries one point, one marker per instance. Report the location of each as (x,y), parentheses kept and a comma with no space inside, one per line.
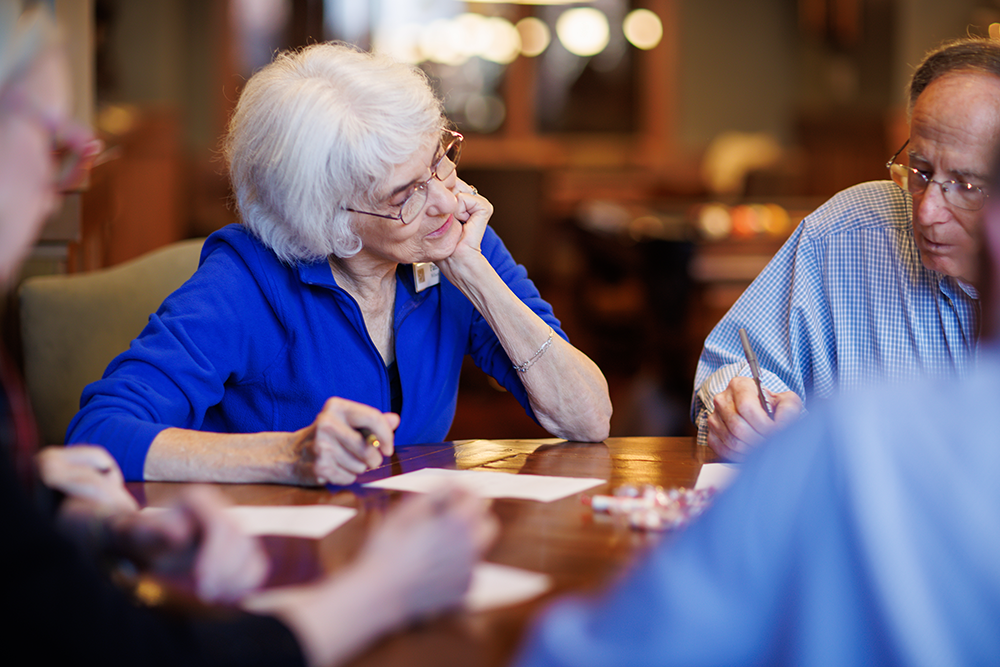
(415,197)
(963,195)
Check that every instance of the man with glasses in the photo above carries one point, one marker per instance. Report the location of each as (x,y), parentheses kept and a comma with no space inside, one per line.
(876,282)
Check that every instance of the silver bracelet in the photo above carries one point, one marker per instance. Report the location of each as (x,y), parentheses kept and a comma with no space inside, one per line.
(535,357)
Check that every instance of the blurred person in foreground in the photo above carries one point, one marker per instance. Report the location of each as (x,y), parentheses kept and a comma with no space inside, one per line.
(864,534)
(876,283)
(323,313)
(60,524)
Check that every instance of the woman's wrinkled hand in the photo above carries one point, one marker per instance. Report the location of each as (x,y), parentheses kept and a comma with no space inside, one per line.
(333,450)
(474,212)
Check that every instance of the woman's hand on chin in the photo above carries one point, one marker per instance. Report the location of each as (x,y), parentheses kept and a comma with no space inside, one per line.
(473,212)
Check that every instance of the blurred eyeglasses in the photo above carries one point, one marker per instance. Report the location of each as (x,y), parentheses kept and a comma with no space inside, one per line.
(413,199)
(963,195)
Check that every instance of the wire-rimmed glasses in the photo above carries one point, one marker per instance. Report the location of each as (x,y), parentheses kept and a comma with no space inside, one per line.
(414,198)
(963,195)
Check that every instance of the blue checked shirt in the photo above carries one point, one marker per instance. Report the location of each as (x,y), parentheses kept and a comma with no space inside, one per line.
(846,301)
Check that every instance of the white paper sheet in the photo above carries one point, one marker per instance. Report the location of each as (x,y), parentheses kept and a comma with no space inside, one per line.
(493,586)
(489,484)
(496,586)
(719,475)
(310,521)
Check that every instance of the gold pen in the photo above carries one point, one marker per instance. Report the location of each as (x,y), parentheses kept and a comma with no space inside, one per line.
(369,437)
(755,371)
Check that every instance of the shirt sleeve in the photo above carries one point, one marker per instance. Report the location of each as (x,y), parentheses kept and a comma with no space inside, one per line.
(217,327)
(485,348)
(865,534)
(787,318)
(712,595)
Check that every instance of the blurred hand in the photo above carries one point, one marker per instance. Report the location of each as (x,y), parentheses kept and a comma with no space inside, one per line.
(89,478)
(739,423)
(419,561)
(195,534)
(332,450)
(428,548)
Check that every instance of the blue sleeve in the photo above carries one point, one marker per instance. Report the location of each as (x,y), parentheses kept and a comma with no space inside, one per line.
(485,348)
(772,562)
(787,316)
(217,327)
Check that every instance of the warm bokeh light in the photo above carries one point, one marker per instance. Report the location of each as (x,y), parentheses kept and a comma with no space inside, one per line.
(995,31)
(441,42)
(484,113)
(400,42)
(583,31)
(474,31)
(535,36)
(525,2)
(643,29)
(504,42)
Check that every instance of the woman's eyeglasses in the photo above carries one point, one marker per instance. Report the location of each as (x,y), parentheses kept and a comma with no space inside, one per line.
(415,197)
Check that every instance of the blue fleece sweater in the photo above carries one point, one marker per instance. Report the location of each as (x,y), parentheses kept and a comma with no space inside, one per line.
(250,344)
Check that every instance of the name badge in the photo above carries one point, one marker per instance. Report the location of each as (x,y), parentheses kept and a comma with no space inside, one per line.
(425,274)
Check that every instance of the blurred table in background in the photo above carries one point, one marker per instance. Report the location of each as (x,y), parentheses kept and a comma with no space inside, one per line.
(564,539)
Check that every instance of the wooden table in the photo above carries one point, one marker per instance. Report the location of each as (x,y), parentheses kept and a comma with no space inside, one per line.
(580,550)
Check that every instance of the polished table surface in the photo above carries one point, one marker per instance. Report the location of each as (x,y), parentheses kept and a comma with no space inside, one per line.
(564,539)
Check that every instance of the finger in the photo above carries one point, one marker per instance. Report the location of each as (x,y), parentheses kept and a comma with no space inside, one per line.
(720,439)
(229,562)
(745,402)
(328,471)
(336,441)
(387,436)
(730,421)
(787,406)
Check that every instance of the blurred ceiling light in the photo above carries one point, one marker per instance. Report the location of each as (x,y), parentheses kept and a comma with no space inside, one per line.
(529,2)
(504,42)
(474,31)
(441,42)
(401,43)
(643,29)
(995,31)
(535,36)
(583,31)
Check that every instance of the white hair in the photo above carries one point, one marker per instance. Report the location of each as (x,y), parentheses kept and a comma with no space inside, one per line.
(317,130)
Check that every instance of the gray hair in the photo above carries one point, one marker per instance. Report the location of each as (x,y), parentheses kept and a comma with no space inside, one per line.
(24,37)
(317,130)
(971,54)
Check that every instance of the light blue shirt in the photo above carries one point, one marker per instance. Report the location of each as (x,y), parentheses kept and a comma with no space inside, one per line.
(865,534)
(846,301)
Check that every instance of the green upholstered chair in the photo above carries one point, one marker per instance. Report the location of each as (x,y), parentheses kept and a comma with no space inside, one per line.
(73,325)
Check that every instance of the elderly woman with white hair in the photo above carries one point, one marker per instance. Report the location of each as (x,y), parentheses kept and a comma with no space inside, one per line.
(338,314)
